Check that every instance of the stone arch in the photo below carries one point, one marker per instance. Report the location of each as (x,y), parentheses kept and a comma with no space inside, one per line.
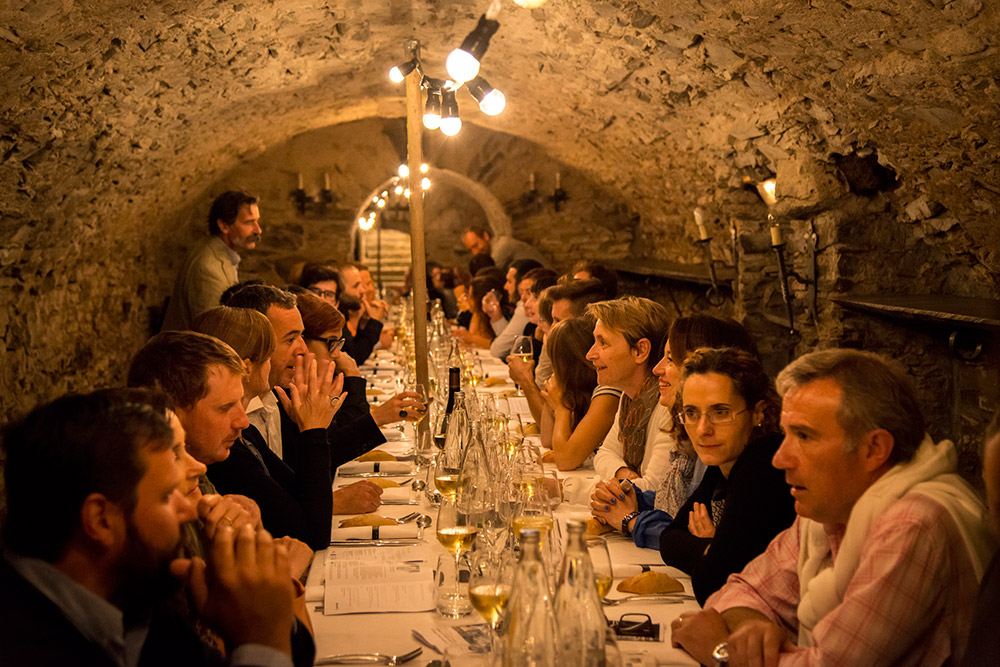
(493,208)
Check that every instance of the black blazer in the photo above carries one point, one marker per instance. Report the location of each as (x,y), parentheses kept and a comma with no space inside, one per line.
(758,506)
(295,502)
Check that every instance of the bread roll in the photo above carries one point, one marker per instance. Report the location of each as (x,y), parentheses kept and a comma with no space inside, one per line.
(494,381)
(367,520)
(376,455)
(650,583)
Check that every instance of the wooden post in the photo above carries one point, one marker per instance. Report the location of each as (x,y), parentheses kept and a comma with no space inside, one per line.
(418,267)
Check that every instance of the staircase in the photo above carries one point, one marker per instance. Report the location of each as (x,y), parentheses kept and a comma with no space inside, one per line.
(396,260)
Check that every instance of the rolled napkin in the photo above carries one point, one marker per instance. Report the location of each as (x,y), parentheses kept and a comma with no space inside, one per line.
(396,496)
(406,531)
(384,467)
(370,519)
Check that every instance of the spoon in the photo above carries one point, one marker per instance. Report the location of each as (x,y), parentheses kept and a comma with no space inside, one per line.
(423,520)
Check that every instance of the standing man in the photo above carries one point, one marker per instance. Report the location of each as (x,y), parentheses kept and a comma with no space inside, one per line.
(882,564)
(503,249)
(210,267)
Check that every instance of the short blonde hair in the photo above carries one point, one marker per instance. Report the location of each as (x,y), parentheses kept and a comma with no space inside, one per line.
(244,329)
(635,318)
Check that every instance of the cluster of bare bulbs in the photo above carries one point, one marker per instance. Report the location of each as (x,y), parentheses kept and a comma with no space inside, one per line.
(399,188)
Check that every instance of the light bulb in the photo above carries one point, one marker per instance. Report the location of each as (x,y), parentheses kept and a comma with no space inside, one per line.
(493,103)
(424,168)
(530,4)
(398,190)
(451,125)
(432,110)
(368,224)
(425,183)
(380,203)
(406,193)
(361,222)
(461,65)
(403,171)
(374,198)
(399,72)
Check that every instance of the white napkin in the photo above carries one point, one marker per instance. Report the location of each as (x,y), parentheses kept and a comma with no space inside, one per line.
(396,496)
(407,530)
(390,467)
(391,433)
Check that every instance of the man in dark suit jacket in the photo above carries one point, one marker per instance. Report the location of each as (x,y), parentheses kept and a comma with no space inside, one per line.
(88,558)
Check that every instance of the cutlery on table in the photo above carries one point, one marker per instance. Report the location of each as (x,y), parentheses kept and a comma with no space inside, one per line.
(408,518)
(397,542)
(369,658)
(669,598)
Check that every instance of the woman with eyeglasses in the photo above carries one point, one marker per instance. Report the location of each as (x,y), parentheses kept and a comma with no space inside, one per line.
(730,411)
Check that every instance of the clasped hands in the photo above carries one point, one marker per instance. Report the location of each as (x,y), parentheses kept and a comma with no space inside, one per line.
(612,500)
(755,641)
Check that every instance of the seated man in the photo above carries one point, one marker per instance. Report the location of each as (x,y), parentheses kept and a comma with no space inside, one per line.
(88,559)
(626,348)
(349,435)
(508,329)
(322,281)
(364,325)
(883,561)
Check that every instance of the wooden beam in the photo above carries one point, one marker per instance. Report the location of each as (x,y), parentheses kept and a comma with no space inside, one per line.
(418,267)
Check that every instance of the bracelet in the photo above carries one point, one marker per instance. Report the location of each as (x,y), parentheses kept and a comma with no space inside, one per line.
(628,517)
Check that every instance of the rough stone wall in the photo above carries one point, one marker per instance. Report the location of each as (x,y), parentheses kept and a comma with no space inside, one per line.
(119,118)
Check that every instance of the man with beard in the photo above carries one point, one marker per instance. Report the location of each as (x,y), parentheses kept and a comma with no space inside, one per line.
(88,563)
(364,325)
(210,267)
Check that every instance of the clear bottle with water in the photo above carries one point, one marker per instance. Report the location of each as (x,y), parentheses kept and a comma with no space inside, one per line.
(530,619)
(582,625)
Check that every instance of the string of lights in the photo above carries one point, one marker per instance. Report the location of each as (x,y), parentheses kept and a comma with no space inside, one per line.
(463,66)
(394,195)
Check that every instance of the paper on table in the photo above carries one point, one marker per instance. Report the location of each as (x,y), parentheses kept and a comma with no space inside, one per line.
(387,467)
(518,405)
(406,531)
(381,555)
(356,587)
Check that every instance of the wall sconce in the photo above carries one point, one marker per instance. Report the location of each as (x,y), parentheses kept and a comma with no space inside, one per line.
(778,246)
(714,294)
(531,195)
(317,204)
(558,195)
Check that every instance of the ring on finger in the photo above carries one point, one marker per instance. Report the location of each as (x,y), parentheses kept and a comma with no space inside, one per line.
(334,400)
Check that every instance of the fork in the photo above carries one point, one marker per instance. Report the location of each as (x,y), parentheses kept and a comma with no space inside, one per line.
(369,658)
(408,518)
(670,598)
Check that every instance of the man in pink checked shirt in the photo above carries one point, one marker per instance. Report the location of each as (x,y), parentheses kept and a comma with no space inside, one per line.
(883,562)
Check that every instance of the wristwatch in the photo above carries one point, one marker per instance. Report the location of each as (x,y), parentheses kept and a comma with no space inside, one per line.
(720,655)
(628,517)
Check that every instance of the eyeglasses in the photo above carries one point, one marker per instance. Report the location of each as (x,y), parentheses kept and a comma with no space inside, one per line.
(332,344)
(323,293)
(691,416)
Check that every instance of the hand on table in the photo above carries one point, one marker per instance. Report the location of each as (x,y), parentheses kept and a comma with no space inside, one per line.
(522,372)
(316,394)
(611,501)
(699,523)
(217,511)
(245,589)
(389,411)
(698,633)
(758,643)
(357,498)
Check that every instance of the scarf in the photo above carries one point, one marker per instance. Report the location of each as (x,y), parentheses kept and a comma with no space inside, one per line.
(633,420)
(676,485)
(823,582)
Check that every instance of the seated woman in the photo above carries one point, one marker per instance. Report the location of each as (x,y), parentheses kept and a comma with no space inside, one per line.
(295,502)
(730,411)
(479,332)
(650,512)
(580,412)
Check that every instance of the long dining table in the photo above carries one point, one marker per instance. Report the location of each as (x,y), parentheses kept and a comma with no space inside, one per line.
(396,633)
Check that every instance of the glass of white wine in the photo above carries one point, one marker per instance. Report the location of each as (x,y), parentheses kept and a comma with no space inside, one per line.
(489,589)
(597,548)
(456,531)
(418,388)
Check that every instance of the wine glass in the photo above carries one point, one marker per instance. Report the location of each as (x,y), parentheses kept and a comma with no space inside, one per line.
(418,388)
(489,588)
(456,531)
(524,348)
(597,548)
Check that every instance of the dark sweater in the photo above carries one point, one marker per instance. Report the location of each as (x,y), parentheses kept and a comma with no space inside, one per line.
(360,346)
(758,506)
(295,502)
